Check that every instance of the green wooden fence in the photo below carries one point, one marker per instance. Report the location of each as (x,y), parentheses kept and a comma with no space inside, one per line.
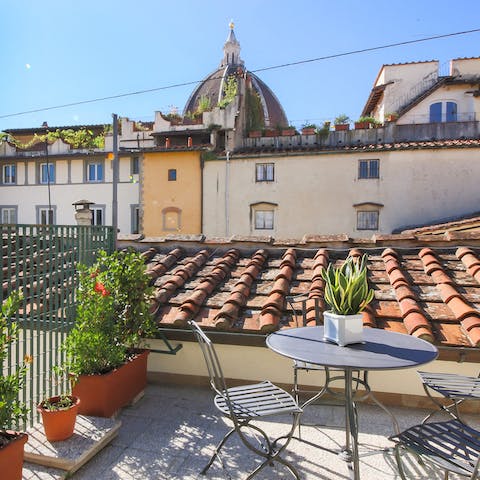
(41,261)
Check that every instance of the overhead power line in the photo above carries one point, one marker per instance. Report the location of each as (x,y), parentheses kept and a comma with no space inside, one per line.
(263,69)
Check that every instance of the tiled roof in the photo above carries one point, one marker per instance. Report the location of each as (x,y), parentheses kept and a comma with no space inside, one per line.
(361,147)
(431,293)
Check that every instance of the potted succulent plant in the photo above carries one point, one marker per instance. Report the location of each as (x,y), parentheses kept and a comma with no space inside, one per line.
(113,318)
(59,415)
(342,122)
(12,412)
(347,293)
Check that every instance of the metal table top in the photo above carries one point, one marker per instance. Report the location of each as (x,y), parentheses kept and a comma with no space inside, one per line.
(381,350)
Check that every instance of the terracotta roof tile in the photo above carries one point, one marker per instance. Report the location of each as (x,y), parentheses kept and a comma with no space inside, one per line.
(432,292)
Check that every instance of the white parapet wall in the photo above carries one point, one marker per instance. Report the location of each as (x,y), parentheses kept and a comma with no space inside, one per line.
(247,363)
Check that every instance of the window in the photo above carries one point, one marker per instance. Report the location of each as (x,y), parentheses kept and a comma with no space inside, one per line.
(443,111)
(98,215)
(367,220)
(368,168)
(47,173)
(45,216)
(135,166)
(9,174)
(95,172)
(172,175)
(8,215)
(264,172)
(264,219)
(135,218)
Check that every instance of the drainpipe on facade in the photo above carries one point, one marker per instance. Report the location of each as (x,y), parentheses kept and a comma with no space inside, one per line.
(227,174)
(115,179)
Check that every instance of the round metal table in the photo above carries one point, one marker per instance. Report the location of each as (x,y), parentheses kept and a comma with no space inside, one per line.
(381,350)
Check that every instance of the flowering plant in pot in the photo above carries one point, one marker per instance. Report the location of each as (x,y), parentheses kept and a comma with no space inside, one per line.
(113,318)
(347,293)
(12,411)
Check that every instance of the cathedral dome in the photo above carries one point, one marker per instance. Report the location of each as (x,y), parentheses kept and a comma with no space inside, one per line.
(213,86)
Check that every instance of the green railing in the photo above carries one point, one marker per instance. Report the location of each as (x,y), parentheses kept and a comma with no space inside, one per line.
(41,262)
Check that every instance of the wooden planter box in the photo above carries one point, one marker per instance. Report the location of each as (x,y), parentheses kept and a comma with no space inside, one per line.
(11,457)
(342,126)
(103,395)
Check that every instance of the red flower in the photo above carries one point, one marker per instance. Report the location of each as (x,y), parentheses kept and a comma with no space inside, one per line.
(99,287)
(105,293)
(93,274)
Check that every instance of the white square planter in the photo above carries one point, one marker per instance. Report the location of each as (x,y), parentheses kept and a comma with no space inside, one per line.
(343,329)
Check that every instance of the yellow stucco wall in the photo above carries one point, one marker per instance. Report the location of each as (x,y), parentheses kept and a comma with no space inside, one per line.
(171,207)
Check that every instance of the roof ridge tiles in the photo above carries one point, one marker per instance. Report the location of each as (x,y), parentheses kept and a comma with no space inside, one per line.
(192,304)
(414,320)
(272,309)
(470,261)
(241,291)
(468,316)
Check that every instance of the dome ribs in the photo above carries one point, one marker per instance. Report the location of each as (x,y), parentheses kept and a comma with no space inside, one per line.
(273,308)
(191,306)
(229,312)
(414,319)
(468,316)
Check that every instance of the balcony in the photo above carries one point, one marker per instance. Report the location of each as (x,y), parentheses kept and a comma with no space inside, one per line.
(388,133)
(172,430)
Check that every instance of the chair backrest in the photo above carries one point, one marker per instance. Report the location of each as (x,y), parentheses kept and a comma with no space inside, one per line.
(310,309)
(217,380)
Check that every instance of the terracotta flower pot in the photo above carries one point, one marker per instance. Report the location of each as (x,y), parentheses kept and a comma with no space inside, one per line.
(59,424)
(308,131)
(103,395)
(342,126)
(255,134)
(11,456)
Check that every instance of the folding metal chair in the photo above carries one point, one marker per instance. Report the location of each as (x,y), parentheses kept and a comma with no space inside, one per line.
(456,388)
(246,403)
(452,446)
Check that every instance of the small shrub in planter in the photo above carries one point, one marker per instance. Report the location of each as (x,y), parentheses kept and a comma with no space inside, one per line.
(59,414)
(12,411)
(113,318)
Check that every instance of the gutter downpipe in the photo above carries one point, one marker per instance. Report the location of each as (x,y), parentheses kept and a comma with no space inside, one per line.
(227,177)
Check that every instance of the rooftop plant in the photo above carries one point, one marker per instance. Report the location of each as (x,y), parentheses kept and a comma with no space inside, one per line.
(230,90)
(12,411)
(113,313)
(369,119)
(346,287)
(342,119)
(309,125)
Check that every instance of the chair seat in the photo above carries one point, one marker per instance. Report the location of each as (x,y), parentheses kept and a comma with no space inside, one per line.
(452,385)
(257,400)
(452,445)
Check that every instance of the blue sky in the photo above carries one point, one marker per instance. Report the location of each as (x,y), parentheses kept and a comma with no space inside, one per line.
(58,52)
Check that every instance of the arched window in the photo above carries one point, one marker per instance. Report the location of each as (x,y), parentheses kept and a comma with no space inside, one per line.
(262,216)
(171,219)
(443,111)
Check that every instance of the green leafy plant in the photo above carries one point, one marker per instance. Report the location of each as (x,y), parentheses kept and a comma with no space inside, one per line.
(113,314)
(371,120)
(346,287)
(310,125)
(342,119)
(12,411)
(230,90)
(56,404)
(204,104)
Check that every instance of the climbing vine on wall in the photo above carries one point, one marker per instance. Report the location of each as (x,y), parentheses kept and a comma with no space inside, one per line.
(255,117)
(81,138)
(230,90)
